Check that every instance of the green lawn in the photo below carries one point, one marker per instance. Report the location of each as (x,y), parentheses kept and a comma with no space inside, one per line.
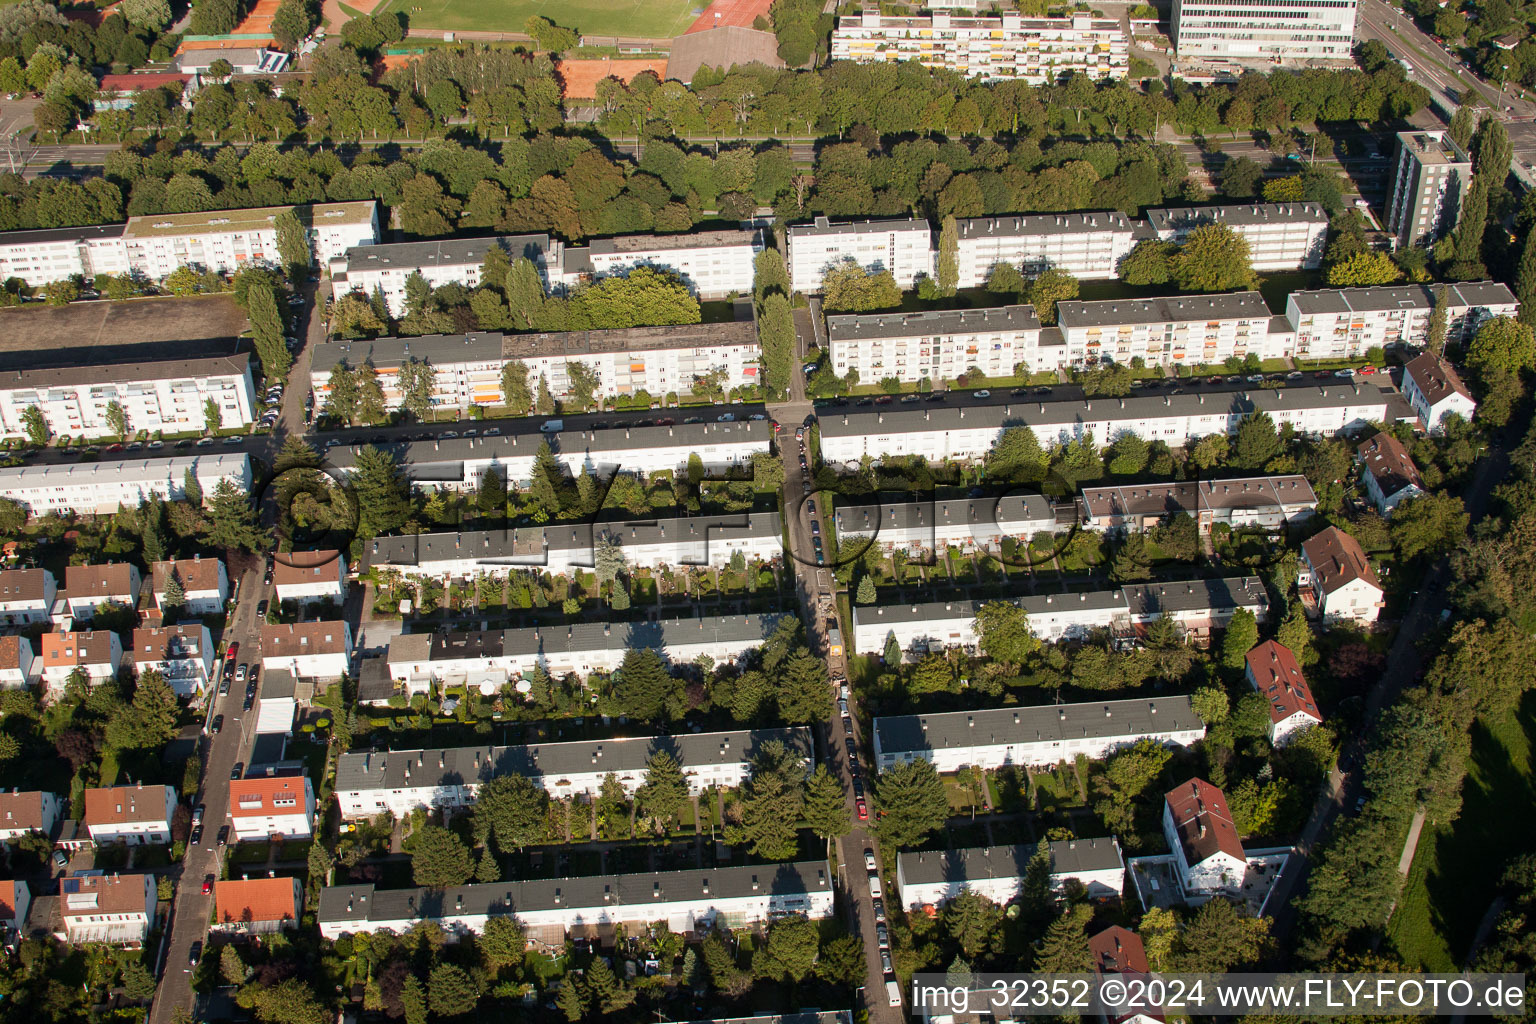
(650,18)
(1456,870)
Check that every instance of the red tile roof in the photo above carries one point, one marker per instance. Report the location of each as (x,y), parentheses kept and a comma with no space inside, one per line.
(142,80)
(1277,675)
(298,567)
(1118,950)
(254,899)
(22,584)
(79,648)
(115,894)
(9,900)
(99,582)
(1337,559)
(1385,458)
(1436,378)
(21,810)
(10,650)
(256,797)
(301,638)
(195,574)
(116,805)
(1203,823)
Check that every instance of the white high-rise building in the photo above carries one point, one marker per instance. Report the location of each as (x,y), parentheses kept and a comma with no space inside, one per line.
(1280,236)
(1089,246)
(902,246)
(1275,30)
(1429,179)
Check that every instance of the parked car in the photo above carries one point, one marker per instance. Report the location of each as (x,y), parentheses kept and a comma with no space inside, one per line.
(241,672)
(863,809)
(208,885)
(869,861)
(217,726)
(882,935)
(196,836)
(879,911)
(60,859)
(1344,374)
(237,771)
(223,836)
(847,726)
(983,393)
(195,955)
(197,814)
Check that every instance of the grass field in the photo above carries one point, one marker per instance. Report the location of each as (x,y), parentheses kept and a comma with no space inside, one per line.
(1455,871)
(650,18)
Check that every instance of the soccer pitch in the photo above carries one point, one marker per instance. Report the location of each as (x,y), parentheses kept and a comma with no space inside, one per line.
(650,18)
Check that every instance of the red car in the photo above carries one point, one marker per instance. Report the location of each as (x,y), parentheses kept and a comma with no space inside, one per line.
(1366,371)
(863,809)
(231,653)
(207,885)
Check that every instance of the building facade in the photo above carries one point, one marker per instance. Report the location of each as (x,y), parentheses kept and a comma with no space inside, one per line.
(1280,236)
(183,653)
(934,878)
(1336,580)
(21,813)
(26,596)
(1008,48)
(1266,501)
(310,650)
(369,269)
(89,587)
(1430,178)
(19,665)
(95,654)
(934,345)
(1177,330)
(101,488)
(204,584)
(713,264)
(925,527)
(226,240)
(1089,246)
(1198,827)
(257,906)
(903,247)
(264,807)
(1344,323)
(114,909)
(42,256)
(1388,472)
(134,815)
(1435,390)
(1281,30)
(307,576)
(1273,671)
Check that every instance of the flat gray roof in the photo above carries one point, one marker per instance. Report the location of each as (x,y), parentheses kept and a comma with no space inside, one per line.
(365,771)
(629,339)
(1048,723)
(662,243)
(1068,857)
(437,349)
(1162,310)
(1001,513)
(1432,147)
(1385,298)
(1043,224)
(366,903)
(825,226)
(36,236)
(853,327)
(444,252)
(126,373)
(1246,214)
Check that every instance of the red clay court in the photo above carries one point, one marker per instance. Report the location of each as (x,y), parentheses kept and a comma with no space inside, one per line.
(740,13)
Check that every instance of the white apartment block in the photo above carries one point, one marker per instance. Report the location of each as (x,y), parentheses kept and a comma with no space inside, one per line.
(1430,178)
(310,650)
(158,397)
(1089,246)
(1344,323)
(934,345)
(933,878)
(925,527)
(135,815)
(225,240)
(204,584)
(264,807)
(369,269)
(39,257)
(101,488)
(1280,236)
(691,903)
(460,463)
(562,548)
(490,660)
(1269,30)
(967,433)
(26,595)
(1176,330)
(902,246)
(400,781)
(1198,607)
(713,264)
(1014,48)
(1033,736)
(182,653)
(114,909)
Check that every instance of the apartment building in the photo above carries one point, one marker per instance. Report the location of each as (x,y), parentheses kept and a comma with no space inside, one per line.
(101,488)
(933,878)
(1033,736)
(902,246)
(89,587)
(560,548)
(135,815)
(548,910)
(183,653)
(257,906)
(465,367)
(1430,178)
(204,584)
(713,264)
(1198,607)
(1389,474)
(21,813)
(1271,30)
(1343,323)
(310,650)
(308,576)
(1280,236)
(26,595)
(267,807)
(1007,48)
(1208,855)
(933,345)
(96,654)
(168,396)
(226,240)
(1435,390)
(461,463)
(1272,670)
(114,909)
(44,255)
(965,433)
(399,781)
(1336,581)
(926,527)
(1174,330)
(494,658)
(368,269)
(19,664)
(1089,246)
(1266,501)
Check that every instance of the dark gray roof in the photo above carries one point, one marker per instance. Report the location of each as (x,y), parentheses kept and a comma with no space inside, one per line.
(126,373)
(825,226)
(1132,407)
(1050,723)
(629,339)
(437,252)
(366,903)
(1043,224)
(1191,496)
(1186,218)
(277,683)
(36,236)
(358,772)
(373,680)
(1162,310)
(1072,857)
(1386,298)
(985,514)
(437,349)
(662,243)
(524,544)
(1068,857)
(1193,595)
(854,327)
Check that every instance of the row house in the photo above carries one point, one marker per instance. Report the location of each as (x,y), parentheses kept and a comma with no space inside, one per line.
(96,654)
(204,584)
(183,653)
(1280,236)
(691,903)
(902,246)
(400,781)
(1033,736)
(309,650)
(1089,245)
(1344,323)
(101,488)
(19,665)
(1007,48)
(933,878)
(263,807)
(925,527)
(26,596)
(169,396)
(933,345)
(24,813)
(89,587)
(134,815)
(1270,502)
(304,577)
(114,909)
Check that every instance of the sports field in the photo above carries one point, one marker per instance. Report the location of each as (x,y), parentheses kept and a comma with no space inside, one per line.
(653,19)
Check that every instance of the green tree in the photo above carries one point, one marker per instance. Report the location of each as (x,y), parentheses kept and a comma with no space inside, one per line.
(1210,703)
(1429,526)
(1148,263)
(912,803)
(1439,318)
(549,36)
(664,792)
(371,407)
(292,240)
(1213,258)
(892,652)
(826,810)
(974,922)
(866,592)
(380,491)
(949,257)
(439,858)
(117,419)
(582,382)
(789,955)
(267,330)
(643,687)
(525,296)
(514,387)
(1064,950)
(1240,637)
(213,416)
(1003,633)
(1051,287)
(510,810)
(1502,347)
(341,394)
(35,425)
(231,966)
(491,495)
(502,944)
(452,991)
(849,288)
(1256,443)
(1363,269)
(232,523)
(1016,455)
(772,800)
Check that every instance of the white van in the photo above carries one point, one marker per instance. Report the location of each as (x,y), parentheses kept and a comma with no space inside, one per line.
(553,426)
(893,990)
(874,886)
